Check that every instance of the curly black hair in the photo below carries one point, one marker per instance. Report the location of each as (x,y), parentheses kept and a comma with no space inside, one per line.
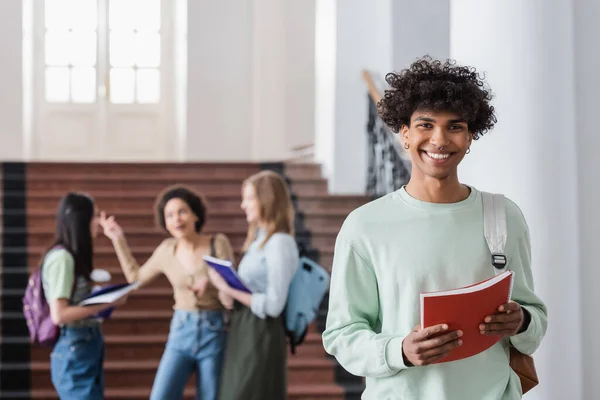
(193,200)
(433,85)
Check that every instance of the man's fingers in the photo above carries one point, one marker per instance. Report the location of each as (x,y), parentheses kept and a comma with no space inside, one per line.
(509,307)
(430,331)
(440,340)
(499,327)
(441,350)
(502,318)
(504,332)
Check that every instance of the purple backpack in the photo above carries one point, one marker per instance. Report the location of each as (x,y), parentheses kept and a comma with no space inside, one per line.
(37,311)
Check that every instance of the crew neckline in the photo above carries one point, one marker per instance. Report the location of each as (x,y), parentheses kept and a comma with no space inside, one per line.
(403,195)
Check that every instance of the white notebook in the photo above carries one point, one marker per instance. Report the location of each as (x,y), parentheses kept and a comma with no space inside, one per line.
(109,294)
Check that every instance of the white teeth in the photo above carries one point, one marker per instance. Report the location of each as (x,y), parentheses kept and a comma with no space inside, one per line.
(438,156)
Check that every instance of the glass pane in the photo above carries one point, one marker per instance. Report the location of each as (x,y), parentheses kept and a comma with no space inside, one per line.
(122,49)
(83,85)
(84,14)
(148,86)
(150,18)
(58,45)
(134,14)
(83,49)
(56,17)
(122,85)
(122,14)
(57,84)
(147,49)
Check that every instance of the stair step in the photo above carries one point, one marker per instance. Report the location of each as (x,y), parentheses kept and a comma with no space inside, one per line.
(216,201)
(295,392)
(107,256)
(220,187)
(123,373)
(151,347)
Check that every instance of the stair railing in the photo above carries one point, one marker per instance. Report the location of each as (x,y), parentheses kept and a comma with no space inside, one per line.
(388,166)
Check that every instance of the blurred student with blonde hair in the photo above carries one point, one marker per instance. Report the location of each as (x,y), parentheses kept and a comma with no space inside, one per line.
(255,360)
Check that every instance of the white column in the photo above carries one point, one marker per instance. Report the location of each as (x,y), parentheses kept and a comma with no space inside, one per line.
(11,84)
(587,56)
(525,48)
(352,35)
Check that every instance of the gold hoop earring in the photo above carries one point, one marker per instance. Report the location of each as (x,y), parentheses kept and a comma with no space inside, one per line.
(406,145)
(468,150)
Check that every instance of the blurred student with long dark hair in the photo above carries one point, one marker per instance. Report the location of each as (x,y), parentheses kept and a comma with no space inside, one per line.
(77,358)
(197,336)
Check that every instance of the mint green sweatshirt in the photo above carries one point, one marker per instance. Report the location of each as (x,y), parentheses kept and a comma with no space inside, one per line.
(390,250)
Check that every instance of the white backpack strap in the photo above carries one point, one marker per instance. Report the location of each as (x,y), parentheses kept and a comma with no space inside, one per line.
(494,226)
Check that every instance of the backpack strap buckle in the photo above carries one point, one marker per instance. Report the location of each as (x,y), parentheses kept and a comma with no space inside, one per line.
(499,261)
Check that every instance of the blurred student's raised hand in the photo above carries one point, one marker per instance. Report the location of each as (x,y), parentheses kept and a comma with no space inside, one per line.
(112,230)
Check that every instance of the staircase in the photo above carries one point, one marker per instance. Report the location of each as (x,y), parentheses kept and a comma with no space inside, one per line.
(137,332)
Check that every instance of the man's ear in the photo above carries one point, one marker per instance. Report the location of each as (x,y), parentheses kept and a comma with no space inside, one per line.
(404,132)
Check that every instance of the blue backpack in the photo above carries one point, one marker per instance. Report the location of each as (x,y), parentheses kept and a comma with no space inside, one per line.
(307,289)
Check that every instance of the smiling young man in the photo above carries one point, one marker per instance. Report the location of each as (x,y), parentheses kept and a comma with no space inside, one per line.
(429,236)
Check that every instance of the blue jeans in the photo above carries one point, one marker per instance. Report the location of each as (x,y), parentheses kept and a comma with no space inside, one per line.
(196,343)
(76,363)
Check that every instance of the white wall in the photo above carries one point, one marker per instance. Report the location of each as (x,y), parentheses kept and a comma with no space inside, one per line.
(419,28)
(300,45)
(180,53)
(219,112)
(373,36)
(250,79)
(531,156)
(11,82)
(585,132)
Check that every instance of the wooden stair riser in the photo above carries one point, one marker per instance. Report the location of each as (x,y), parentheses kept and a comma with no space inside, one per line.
(144,376)
(153,238)
(213,222)
(143,351)
(108,259)
(118,394)
(216,171)
(117,201)
(315,187)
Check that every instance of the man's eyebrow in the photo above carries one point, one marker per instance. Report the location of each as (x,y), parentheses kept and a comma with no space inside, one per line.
(429,119)
(426,119)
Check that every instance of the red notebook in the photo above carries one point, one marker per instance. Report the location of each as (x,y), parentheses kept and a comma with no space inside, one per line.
(465,309)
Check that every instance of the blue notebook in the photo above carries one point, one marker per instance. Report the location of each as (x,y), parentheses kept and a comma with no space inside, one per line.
(225,269)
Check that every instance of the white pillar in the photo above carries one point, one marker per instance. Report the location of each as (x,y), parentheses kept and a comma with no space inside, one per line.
(352,35)
(11,84)
(525,49)
(587,56)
